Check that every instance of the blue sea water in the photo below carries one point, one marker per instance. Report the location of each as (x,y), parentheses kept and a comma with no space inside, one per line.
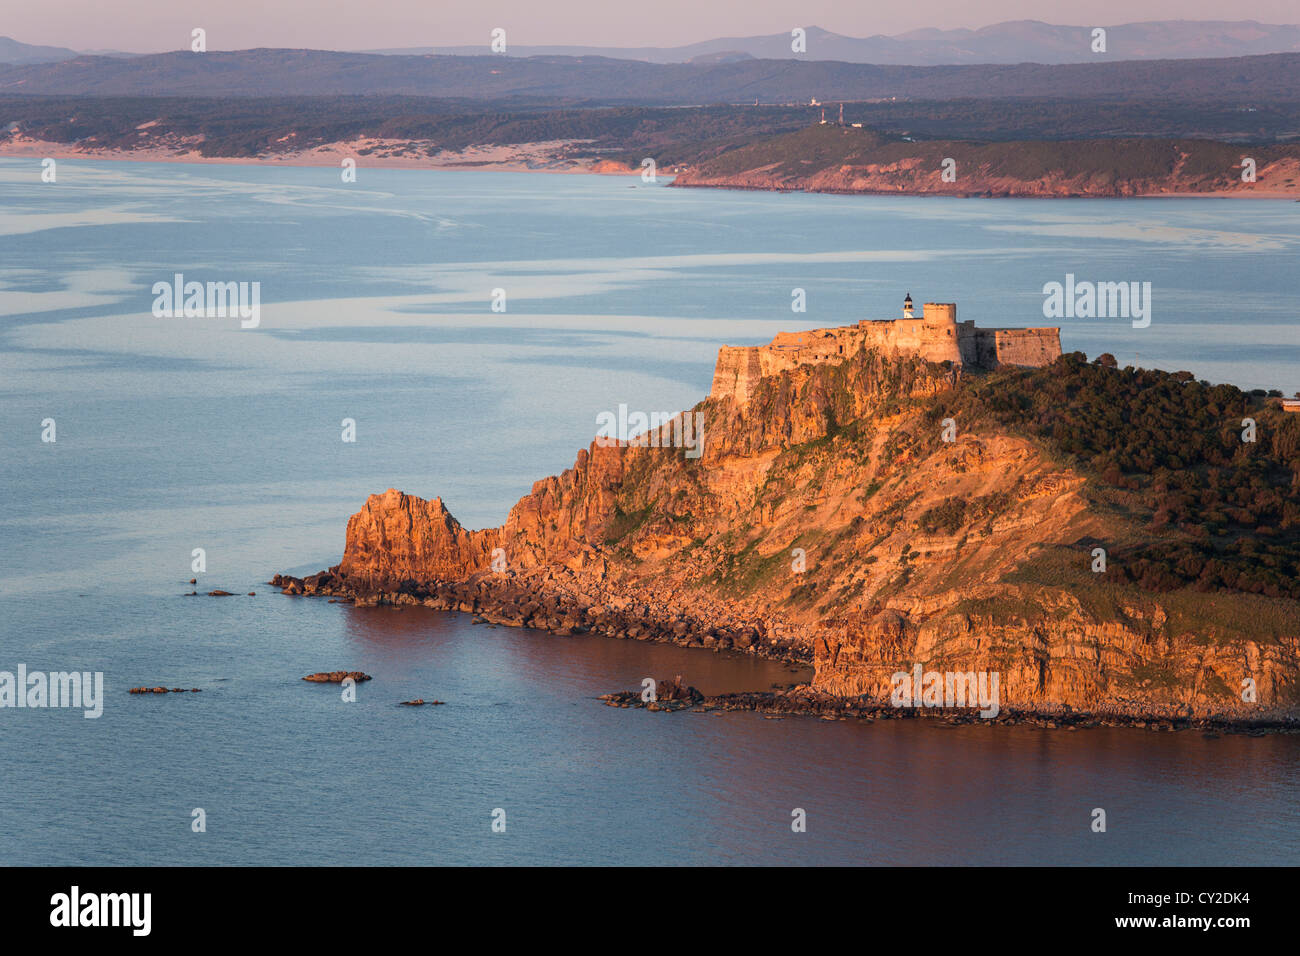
(175,434)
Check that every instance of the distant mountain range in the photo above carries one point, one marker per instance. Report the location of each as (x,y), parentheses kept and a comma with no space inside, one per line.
(1245,81)
(11,51)
(1016,41)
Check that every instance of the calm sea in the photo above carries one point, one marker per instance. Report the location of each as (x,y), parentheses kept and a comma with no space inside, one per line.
(176,434)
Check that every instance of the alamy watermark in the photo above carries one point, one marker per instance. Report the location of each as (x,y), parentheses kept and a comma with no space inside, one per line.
(212,300)
(922,688)
(1098,300)
(651,430)
(41,689)
(75,908)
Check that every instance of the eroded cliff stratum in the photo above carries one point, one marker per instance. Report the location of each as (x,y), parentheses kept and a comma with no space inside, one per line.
(888,494)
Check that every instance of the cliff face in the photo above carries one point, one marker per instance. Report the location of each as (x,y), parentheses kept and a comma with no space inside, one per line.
(833,515)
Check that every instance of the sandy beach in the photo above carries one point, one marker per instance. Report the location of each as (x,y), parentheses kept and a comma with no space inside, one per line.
(552,156)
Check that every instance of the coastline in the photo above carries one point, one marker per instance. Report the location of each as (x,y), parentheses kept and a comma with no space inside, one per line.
(556,611)
(806,701)
(1292,194)
(541,157)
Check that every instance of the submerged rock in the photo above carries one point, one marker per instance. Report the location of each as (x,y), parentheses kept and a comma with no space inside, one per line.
(163,690)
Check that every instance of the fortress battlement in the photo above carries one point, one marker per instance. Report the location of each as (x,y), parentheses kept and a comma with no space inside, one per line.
(935,336)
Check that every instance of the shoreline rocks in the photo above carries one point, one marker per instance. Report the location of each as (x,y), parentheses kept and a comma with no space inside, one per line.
(337,677)
(501,600)
(164,690)
(504,601)
(803,701)
(670,696)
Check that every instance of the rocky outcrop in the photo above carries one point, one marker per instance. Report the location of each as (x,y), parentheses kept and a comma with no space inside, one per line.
(396,537)
(670,695)
(336,677)
(163,690)
(833,518)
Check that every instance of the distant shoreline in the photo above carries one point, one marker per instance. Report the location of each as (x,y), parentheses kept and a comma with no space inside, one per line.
(1217,194)
(543,157)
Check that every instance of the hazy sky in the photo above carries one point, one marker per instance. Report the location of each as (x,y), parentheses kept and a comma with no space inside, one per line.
(153,25)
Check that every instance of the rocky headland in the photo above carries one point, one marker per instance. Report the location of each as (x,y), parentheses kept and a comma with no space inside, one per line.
(1100,538)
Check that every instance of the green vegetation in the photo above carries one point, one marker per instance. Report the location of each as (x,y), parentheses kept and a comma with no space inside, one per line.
(625,522)
(252,126)
(1107,162)
(1224,514)
(1163,678)
(746,569)
(1009,608)
(952,514)
(1213,618)
(248,126)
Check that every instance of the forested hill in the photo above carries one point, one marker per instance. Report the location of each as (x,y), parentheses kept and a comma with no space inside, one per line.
(844,159)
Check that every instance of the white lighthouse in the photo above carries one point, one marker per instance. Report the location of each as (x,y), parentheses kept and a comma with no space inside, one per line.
(907,307)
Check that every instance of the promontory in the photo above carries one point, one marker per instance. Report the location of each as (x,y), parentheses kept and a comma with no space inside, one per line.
(889,494)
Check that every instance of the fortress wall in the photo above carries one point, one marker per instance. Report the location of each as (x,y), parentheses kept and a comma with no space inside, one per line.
(939,344)
(773,360)
(817,345)
(968,343)
(990,348)
(791,349)
(737,372)
(935,336)
(1033,347)
(903,335)
(984,345)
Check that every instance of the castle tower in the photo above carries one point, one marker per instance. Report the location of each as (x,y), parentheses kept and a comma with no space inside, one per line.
(907,307)
(939,332)
(939,314)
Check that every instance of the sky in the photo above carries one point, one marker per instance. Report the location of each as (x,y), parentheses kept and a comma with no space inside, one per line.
(147,26)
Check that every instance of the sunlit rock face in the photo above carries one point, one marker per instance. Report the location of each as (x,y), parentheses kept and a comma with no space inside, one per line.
(833,516)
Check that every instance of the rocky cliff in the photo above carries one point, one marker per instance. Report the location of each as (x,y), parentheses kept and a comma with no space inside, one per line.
(397,537)
(872,514)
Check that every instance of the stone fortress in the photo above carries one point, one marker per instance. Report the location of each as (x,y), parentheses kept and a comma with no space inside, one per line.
(936,336)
